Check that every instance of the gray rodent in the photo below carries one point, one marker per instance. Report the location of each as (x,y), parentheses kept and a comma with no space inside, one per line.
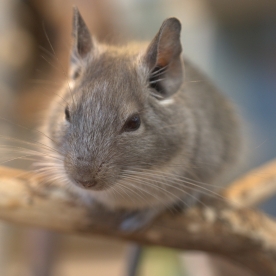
(135,131)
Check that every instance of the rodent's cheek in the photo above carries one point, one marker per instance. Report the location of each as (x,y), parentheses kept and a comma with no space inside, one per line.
(66,124)
(61,128)
(59,133)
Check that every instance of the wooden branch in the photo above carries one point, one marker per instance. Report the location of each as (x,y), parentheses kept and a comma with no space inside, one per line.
(253,188)
(240,234)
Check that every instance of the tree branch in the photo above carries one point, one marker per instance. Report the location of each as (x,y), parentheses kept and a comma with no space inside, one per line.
(253,188)
(240,234)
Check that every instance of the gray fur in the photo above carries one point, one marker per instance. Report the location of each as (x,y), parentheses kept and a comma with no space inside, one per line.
(187,131)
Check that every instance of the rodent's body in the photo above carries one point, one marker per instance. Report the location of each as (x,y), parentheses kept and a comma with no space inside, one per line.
(206,143)
(180,131)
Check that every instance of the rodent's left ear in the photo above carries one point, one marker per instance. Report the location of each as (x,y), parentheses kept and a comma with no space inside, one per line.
(163,58)
(82,41)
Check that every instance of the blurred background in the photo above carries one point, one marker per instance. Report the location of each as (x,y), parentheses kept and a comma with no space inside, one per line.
(234,42)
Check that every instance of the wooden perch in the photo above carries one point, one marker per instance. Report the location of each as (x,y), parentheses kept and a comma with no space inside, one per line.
(227,228)
(254,187)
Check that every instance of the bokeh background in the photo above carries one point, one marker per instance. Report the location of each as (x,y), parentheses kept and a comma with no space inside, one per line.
(234,42)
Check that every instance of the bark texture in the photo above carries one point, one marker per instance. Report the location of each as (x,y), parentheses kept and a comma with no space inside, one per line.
(226,225)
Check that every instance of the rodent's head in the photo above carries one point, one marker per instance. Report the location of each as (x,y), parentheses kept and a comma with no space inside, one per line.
(118,115)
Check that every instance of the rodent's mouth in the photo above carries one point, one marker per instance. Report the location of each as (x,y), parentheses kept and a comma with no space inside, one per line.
(89,185)
(86,184)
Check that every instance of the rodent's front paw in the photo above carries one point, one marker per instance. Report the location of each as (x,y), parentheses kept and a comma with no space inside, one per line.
(138,220)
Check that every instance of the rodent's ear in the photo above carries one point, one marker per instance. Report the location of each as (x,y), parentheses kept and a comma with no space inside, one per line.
(82,41)
(163,58)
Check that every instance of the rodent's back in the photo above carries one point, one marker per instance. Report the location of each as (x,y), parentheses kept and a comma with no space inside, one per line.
(218,142)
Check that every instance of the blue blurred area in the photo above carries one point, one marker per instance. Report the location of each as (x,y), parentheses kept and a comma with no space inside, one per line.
(245,66)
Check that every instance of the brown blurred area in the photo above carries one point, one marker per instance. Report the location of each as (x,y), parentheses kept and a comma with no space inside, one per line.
(245,12)
(48,25)
(34,56)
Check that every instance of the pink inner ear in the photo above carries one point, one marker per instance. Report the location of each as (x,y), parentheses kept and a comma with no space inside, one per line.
(169,46)
(165,47)
(164,57)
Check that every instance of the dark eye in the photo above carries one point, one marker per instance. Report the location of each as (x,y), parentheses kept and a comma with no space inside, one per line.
(67,114)
(76,74)
(132,123)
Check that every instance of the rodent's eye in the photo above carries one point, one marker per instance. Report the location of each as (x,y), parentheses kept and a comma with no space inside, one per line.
(76,74)
(132,123)
(67,114)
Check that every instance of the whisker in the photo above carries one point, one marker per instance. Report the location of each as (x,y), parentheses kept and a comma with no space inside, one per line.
(16,158)
(47,37)
(183,180)
(159,71)
(155,81)
(133,189)
(42,81)
(33,143)
(145,181)
(175,186)
(62,69)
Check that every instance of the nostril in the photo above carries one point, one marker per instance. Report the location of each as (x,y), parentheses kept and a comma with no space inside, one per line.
(80,158)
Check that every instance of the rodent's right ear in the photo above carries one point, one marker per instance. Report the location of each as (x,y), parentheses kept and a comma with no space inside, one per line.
(163,58)
(82,41)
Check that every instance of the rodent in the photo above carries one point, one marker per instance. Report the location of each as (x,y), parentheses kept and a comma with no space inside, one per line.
(131,130)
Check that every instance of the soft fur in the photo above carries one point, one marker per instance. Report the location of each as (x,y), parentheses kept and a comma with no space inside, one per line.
(188,133)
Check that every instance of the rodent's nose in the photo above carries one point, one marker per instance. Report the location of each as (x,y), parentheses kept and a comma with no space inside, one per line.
(87,184)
